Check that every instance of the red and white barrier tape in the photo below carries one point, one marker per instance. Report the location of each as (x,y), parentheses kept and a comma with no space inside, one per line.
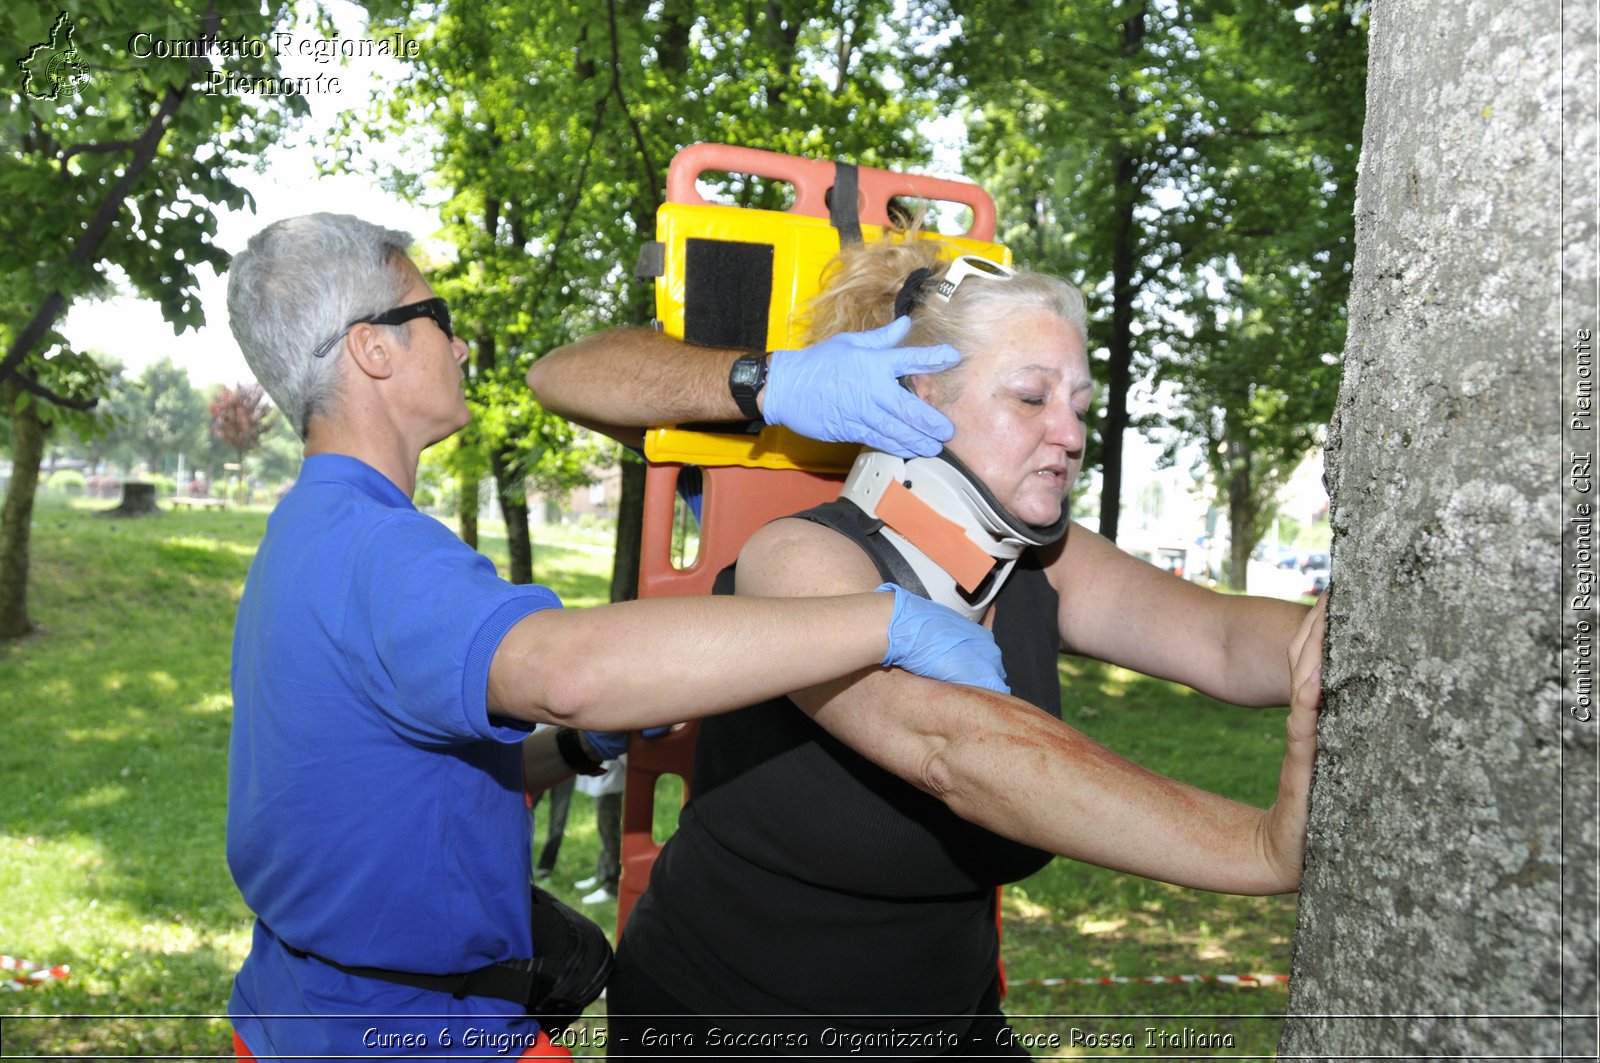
(1160,979)
(30,974)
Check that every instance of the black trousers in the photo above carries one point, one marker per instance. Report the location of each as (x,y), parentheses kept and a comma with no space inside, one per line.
(608,819)
(560,802)
(645,1021)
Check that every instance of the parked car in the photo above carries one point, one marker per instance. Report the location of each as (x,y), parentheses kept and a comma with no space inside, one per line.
(1314,561)
(1317,582)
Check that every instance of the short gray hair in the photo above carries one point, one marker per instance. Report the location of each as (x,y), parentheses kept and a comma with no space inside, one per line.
(296,285)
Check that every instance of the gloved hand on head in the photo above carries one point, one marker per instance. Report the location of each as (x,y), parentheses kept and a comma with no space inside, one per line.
(846,389)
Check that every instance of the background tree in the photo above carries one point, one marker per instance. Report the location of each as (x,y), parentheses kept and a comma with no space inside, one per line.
(1256,367)
(556,187)
(1189,164)
(1451,868)
(240,416)
(102,446)
(1082,127)
(280,453)
(111,171)
(162,417)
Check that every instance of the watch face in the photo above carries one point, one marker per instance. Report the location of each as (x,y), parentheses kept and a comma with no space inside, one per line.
(745,381)
(747,374)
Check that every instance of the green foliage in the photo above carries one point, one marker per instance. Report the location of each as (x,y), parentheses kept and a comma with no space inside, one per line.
(550,128)
(166,486)
(1192,165)
(156,418)
(278,459)
(65,482)
(72,220)
(1258,370)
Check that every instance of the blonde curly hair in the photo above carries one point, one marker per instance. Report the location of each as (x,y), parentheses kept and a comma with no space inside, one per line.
(862,282)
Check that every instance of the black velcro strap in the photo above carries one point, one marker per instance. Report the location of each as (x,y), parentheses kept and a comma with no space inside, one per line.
(727,293)
(503,981)
(844,210)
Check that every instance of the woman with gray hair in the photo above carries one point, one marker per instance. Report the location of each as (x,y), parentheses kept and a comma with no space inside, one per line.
(807,882)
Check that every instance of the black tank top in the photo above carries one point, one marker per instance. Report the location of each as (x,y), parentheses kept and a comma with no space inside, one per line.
(803,879)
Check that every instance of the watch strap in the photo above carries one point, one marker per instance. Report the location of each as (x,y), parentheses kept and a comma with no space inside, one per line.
(745,381)
(569,745)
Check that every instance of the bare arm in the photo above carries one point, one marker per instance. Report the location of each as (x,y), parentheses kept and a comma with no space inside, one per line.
(542,764)
(662,661)
(844,389)
(1005,765)
(624,379)
(1117,608)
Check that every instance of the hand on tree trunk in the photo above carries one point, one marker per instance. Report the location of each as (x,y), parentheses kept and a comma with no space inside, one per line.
(1283,836)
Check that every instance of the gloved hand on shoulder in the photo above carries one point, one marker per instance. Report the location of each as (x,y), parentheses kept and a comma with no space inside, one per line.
(939,643)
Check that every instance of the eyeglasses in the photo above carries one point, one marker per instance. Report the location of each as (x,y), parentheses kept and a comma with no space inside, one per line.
(964,267)
(434,308)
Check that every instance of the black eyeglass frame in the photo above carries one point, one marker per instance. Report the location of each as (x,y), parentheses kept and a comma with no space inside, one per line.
(435,308)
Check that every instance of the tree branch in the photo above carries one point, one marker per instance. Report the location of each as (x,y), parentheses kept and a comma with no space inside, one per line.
(633,124)
(88,245)
(28,383)
(92,149)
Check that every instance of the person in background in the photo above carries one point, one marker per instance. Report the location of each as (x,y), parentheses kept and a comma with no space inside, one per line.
(560,796)
(606,789)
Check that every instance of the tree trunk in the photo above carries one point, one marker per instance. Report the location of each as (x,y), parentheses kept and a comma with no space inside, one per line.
(16,518)
(514,507)
(508,484)
(1448,902)
(1124,264)
(630,532)
(467,508)
(138,500)
(1242,520)
(1242,493)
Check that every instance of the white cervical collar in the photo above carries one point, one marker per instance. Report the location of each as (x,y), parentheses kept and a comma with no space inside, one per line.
(956,536)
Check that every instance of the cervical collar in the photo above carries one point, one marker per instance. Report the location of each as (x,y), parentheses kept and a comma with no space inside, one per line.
(952,531)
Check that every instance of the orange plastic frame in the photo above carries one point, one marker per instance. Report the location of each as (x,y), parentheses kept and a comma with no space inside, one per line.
(737,499)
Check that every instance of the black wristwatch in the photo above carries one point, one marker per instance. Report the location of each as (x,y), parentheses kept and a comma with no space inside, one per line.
(745,381)
(569,745)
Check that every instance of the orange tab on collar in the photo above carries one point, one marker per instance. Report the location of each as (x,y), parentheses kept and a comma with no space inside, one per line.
(939,537)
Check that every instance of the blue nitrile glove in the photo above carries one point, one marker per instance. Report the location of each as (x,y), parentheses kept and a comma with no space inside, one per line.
(934,641)
(846,389)
(612,744)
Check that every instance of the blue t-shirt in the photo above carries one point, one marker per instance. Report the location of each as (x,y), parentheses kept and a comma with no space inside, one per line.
(375,811)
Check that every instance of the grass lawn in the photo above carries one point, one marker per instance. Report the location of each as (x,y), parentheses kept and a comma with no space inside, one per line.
(113,746)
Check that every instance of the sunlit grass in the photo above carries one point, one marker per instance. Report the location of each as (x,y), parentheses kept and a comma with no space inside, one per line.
(113,737)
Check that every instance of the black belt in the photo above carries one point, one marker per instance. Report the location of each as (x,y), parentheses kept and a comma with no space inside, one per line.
(568,973)
(512,980)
